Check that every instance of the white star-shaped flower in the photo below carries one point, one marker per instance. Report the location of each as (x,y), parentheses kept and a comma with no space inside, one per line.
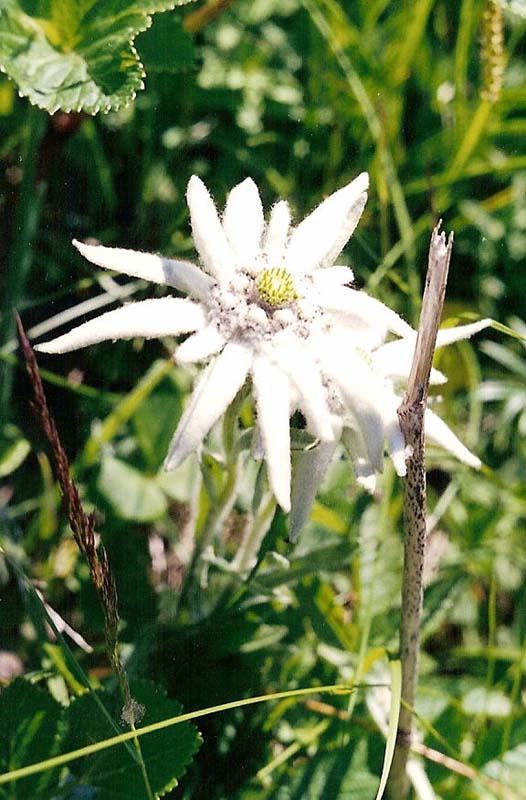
(268,302)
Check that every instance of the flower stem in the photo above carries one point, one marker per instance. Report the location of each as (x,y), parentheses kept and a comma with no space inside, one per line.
(248,550)
(411,416)
(221,506)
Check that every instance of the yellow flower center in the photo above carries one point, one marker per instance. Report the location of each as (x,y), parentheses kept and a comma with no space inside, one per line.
(276,287)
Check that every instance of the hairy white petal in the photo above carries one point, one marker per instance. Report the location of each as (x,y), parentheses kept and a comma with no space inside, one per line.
(345,333)
(352,303)
(363,469)
(272,403)
(363,392)
(297,362)
(201,345)
(243,221)
(276,234)
(164,316)
(215,390)
(320,238)
(257,449)
(447,336)
(396,446)
(394,360)
(333,276)
(441,434)
(209,236)
(181,275)
(308,470)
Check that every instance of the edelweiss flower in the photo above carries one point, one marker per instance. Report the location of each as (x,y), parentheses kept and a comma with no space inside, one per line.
(390,364)
(268,303)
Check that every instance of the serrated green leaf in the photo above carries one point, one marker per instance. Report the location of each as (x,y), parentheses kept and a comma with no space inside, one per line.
(131,494)
(166,753)
(29,724)
(75,55)
(166,46)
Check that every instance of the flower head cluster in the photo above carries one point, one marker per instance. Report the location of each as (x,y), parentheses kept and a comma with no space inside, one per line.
(268,303)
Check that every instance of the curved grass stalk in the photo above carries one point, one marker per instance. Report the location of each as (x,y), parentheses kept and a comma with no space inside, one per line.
(112,292)
(55,379)
(104,744)
(394,713)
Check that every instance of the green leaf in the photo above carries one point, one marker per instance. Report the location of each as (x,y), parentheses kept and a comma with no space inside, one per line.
(394,712)
(132,495)
(75,55)
(491,702)
(166,46)
(329,557)
(124,410)
(166,753)
(343,774)
(29,726)
(179,484)
(12,454)
(155,421)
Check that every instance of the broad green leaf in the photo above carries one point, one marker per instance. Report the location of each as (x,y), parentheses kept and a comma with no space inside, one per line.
(132,495)
(116,776)
(179,484)
(124,410)
(29,726)
(166,46)
(75,55)
(155,421)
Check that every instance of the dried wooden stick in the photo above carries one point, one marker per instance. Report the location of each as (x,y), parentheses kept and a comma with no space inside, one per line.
(411,417)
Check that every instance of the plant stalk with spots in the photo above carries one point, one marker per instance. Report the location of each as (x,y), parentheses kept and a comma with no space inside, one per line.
(411,416)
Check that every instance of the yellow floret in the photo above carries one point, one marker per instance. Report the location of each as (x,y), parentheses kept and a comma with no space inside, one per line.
(276,287)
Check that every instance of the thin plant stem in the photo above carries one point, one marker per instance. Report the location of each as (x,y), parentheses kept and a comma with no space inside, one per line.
(197,20)
(104,744)
(83,529)
(411,417)
(492,630)
(249,547)
(221,506)
(25,224)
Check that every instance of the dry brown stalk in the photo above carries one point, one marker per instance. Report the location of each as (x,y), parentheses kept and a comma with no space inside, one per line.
(203,16)
(81,523)
(411,417)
